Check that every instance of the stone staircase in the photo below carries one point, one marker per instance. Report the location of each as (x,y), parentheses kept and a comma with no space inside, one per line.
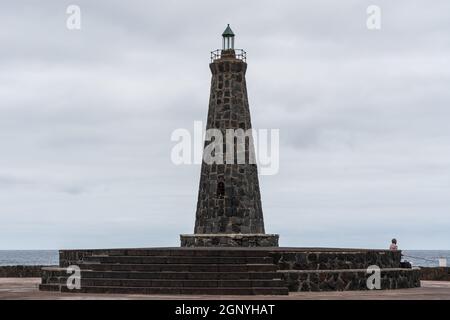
(171,271)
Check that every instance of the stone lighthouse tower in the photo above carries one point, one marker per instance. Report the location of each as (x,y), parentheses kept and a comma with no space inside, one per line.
(229,211)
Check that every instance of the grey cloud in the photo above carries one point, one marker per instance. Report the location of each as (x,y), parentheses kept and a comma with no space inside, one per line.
(86,118)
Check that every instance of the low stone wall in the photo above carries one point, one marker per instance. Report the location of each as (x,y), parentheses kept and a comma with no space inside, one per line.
(21,271)
(346,280)
(435,274)
(336,259)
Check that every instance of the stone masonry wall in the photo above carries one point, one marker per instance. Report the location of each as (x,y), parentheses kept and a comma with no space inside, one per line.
(346,280)
(229,240)
(332,260)
(21,271)
(435,274)
(229,199)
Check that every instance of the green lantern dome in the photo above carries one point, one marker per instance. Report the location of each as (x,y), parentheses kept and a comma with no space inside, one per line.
(228,32)
(228,39)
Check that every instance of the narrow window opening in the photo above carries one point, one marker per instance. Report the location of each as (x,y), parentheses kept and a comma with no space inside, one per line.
(220,190)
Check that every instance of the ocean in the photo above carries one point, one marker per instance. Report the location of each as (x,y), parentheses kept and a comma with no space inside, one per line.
(29,257)
(426,258)
(419,258)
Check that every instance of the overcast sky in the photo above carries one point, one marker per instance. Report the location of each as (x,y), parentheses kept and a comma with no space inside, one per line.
(86,117)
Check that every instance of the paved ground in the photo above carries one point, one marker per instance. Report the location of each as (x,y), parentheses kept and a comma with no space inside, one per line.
(14,288)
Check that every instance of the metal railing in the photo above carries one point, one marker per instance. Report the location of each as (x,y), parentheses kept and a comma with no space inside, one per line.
(240,54)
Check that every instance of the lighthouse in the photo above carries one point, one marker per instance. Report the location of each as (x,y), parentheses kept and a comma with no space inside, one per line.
(229,210)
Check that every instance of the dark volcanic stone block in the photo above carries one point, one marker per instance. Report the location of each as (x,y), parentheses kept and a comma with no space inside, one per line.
(21,271)
(229,240)
(323,260)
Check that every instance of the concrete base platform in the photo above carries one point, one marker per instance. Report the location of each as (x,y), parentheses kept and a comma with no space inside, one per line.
(27,289)
(229,240)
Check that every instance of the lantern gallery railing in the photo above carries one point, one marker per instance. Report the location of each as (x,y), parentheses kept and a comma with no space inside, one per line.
(236,53)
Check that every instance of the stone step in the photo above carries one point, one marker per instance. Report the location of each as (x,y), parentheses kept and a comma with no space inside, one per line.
(69,257)
(178,260)
(168,275)
(149,283)
(170,291)
(179,267)
(192,252)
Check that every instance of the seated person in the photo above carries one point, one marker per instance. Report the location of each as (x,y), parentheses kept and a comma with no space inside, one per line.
(394,245)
